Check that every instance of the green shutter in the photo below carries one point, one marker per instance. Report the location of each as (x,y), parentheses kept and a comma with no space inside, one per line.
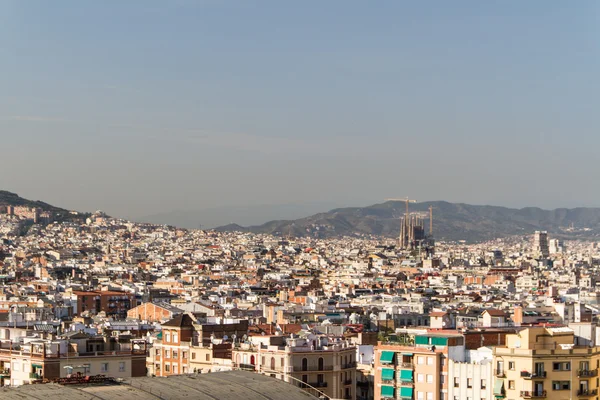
(406,392)
(406,375)
(439,341)
(387,374)
(387,357)
(387,391)
(498,387)
(421,340)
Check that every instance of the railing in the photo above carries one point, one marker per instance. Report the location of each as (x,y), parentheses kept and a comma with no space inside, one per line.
(405,365)
(499,373)
(533,375)
(33,375)
(407,383)
(349,365)
(587,373)
(536,394)
(348,382)
(587,393)
(318,384)
(5,372)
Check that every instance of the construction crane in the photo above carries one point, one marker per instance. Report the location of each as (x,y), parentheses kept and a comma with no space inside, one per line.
(406,200)
(431,221)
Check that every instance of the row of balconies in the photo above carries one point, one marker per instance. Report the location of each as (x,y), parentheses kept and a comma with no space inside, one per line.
(582,373)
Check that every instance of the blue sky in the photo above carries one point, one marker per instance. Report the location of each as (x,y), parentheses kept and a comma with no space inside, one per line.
(140,106)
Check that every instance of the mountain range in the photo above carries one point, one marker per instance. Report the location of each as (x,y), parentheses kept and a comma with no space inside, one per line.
(451,222)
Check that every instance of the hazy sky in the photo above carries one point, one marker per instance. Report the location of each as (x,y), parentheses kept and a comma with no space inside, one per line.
(139,106)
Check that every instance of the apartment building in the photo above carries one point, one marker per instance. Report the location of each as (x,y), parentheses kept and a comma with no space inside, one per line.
(30,359)
(544,363)
(186,346)
(325,363)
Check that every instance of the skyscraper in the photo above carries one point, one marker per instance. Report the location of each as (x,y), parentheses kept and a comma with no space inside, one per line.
(540,244)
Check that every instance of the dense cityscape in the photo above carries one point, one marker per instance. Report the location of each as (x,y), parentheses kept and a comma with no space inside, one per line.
(345,318)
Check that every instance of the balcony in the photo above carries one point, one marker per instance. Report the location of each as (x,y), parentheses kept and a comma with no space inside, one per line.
(405,365)
(35,376)
(500,373)
(348,382)
(349,365)
(317,384)
(407,383)
(587,373)
(539,394)
(587,393)
(5,373)
(533,375)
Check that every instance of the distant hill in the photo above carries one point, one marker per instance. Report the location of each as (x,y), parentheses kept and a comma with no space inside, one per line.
(13,199)
(452,221)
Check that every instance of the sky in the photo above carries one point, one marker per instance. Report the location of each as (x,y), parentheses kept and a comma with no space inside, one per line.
(139,107)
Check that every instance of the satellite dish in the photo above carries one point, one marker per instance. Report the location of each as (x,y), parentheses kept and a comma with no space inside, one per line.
(225,337)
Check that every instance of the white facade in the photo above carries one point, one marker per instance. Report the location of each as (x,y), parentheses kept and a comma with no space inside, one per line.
(470,380)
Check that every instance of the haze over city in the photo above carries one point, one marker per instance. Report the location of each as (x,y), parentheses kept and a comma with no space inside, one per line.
(147,107)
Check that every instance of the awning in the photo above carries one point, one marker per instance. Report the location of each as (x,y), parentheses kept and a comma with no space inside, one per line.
(37,365)
(406,392)
(387,391)
(387,374)
(407,354)
(387,357)
(498,387)
(406,375)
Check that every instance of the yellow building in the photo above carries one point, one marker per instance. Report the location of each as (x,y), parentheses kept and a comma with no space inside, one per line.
(544,363)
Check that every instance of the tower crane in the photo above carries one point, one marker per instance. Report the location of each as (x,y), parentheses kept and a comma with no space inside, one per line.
(406,200)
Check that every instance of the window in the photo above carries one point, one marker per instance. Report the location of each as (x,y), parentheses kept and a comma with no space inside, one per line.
(420,360)
(320,364)
(442,361)
(167,336)
(511,365)
(207,357)
(584,365)
(483,384)
(167,368)
(175,369)
(175,354)
(304,364)
(157,352)
(167,353)
(442,380)
(429,378)
(561,366)
(469,383)
(193,355)
(430,360)
(511,384)
(104,367)
(122,366)
(561,385)
(175,336)
(429,395)
(420,378)
(456,382)
(420,396)
(282,362)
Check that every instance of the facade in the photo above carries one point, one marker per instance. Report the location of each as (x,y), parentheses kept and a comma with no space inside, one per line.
(111,302)
(540,244)
(34,359)
(153,312)
(544,363)
(325,364)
